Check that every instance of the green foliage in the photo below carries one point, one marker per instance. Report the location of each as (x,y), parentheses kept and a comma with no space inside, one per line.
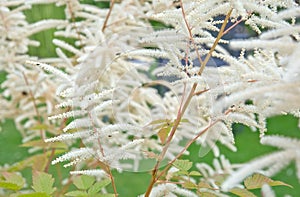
(11,181)
(43,183)
(87,187)
(258,180)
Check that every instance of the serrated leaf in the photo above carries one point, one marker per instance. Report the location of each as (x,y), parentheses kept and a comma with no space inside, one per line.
(13,181)
(203,184)
(29,161)
(258,180)
(195,173)
(98,186)
(84,181)
(35,194)
(242,192)
(43,182)
(10,186)
(189,185)
(163,134)
(77,193)
(183,165)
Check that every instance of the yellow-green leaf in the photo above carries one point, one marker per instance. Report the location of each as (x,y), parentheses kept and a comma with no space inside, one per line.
(84,181)
(43,182)
(77,193)
(13,181)
(94,189)
(189,185)
(163,134)
(203,184)
(10,186)
(29,161)
(258,180)
(195,173)
(184,165)
(242,192)
(181,172)
(35,194)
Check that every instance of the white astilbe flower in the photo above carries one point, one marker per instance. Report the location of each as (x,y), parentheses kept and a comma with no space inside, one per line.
(268,164)
(121,81)
(221,167)
(266,190)
(29,92)
(75,155)
(95,172)
(33,92)
(170,190)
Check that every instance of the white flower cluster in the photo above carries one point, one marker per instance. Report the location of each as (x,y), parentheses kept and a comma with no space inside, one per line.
(122,82)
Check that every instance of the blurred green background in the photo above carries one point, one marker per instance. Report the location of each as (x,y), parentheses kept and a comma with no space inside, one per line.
(129,183)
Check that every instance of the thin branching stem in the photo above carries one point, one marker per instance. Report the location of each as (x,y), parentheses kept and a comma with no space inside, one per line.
(221,33)
(111,176)
(190,32)
(107,167)
(182,110)
(39,118)
(112,2)
(73,19)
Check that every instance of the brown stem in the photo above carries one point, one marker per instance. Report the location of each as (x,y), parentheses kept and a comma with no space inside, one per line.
(107,167)
(39,118)
(49,160)
(69,6)
(180,114)
(186,147)
(220,34)
(112,2)
(233,26)
(112,180)
(190,32)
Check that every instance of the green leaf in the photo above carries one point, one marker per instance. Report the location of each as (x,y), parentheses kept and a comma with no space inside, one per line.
(189,185)
(242,192)
(43,182)
(258,180)
(94,189)
(195,173)
(35,194)
(8,185)
(84,181)
(77,193)
(13,181)
(28,162)
(184,165)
